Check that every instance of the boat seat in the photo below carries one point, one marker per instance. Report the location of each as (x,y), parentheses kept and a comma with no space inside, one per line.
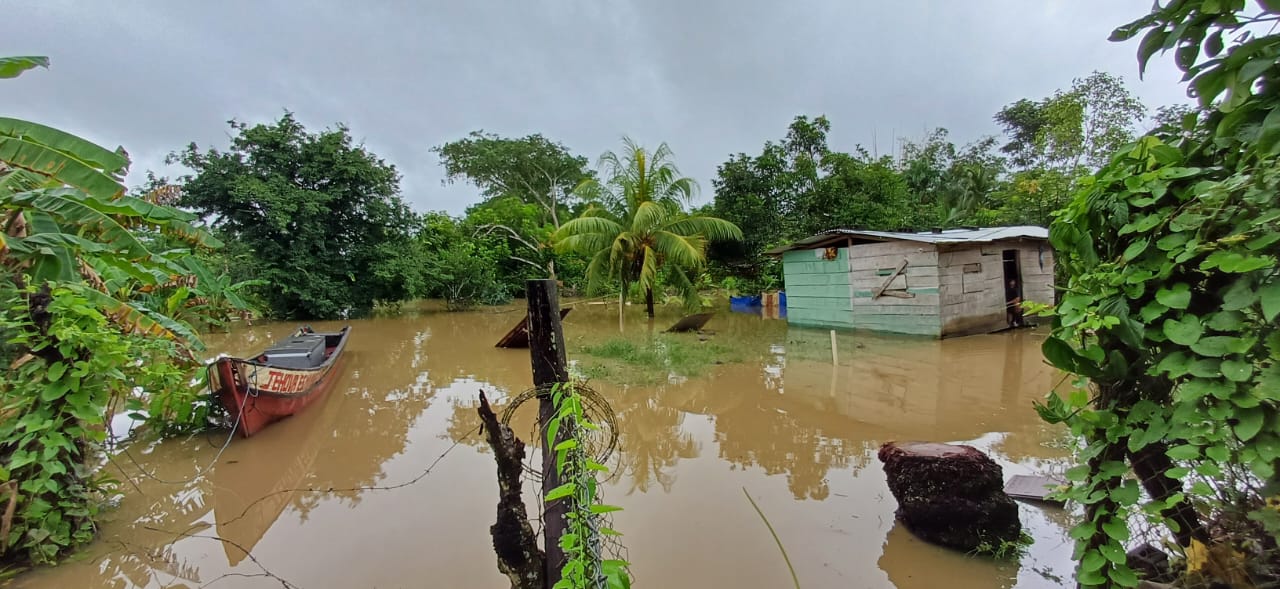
(301,351)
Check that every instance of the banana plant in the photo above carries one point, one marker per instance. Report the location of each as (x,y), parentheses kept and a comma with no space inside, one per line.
(65,218)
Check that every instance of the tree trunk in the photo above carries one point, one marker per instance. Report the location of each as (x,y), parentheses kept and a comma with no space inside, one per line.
(648,301)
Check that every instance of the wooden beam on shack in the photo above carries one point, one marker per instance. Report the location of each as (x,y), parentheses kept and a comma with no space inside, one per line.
(889,280)
(518,337)
(691,323)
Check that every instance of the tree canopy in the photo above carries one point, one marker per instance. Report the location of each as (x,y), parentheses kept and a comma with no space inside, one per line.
(322,215)
(637,224)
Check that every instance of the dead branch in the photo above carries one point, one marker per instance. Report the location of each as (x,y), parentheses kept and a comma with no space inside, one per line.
(519,557)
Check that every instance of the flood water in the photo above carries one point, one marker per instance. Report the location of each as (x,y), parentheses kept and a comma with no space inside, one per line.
(327,498)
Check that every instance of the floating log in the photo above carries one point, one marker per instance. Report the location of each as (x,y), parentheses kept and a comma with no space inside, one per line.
(518,337)
(691,323)
(1032,488)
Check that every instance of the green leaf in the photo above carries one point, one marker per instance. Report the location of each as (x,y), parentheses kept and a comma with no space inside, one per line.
(1152,42)
(1126,494)
(1250,422)
(1184,332)
(1239,296)
(12,67)
(1093,560)
(1177,296)
(56,370)
(1237,370)
(567,445)
(1270,297)
(560,492)
(605,508)
(1213,44)
(1077,474)
(1135,249)
(1206,367)
(1176,364)
(1184,452)
(1060,354)
(1113,551)
(1123,576)
(1217,452)
(1226,321)
(62,157)
(1172,241)
(1152,311)
(1218,345)
(1116,529)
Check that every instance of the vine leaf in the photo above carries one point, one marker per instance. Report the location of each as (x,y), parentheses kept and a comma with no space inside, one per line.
(1270,295)
(1250,423)
(1177,296)
(1183,332)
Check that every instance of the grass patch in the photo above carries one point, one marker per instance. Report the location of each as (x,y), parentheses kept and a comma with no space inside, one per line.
(660,358)
(1004,549)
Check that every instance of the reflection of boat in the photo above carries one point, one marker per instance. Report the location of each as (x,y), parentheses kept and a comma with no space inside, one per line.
(250,493)
(280,381)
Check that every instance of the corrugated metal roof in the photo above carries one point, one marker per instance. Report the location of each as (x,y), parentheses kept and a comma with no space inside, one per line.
(947,236)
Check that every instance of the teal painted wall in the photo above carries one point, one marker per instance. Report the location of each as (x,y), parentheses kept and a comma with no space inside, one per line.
(822,293)
(817,289)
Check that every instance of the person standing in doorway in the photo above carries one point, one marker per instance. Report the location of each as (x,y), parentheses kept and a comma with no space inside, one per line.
(1013,304)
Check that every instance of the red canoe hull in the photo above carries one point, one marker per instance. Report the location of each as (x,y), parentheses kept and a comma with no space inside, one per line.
(257,394)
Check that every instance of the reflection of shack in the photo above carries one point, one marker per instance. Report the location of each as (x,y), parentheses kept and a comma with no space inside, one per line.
(922,389)
(941,283)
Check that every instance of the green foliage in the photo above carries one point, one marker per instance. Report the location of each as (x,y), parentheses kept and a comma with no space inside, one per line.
(528,186)
(12,67)
(533,169)
(1004,549)
(97,293)
(798,186)
(1080,126)
(1171,252)
(55,402)
(321,214)
(637,225)
(586,565)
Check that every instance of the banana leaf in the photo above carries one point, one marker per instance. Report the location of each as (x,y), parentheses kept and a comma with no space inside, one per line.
(61,156)
(138,319)
(76,209)
(12,67)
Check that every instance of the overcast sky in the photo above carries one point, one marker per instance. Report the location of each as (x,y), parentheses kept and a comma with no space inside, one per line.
(709,77)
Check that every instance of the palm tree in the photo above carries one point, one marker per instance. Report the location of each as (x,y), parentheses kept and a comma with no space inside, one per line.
(636,224)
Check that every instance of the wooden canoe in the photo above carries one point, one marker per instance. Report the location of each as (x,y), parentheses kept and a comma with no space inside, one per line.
(279,382)
(518,337)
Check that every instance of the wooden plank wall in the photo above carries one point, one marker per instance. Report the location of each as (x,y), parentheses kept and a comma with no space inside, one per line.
(871,264)
(1036,261)
(972,286)
(817,289)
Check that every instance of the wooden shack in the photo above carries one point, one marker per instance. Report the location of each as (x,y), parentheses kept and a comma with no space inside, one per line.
(936,283)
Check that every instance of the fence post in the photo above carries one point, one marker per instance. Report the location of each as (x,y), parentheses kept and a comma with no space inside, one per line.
(547,355)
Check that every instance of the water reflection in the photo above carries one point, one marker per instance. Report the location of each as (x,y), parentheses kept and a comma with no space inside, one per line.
(652,440)
(797,430)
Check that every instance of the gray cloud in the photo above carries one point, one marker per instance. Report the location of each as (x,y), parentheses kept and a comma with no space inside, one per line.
(711,77)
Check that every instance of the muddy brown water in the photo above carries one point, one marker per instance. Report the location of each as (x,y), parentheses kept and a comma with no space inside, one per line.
(797,432)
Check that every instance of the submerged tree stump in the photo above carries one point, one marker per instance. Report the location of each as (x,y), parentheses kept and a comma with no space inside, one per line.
(514,542)
(950,495)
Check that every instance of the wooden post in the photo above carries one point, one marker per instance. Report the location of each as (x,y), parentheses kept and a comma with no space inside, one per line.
(546,353)
(835,358)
